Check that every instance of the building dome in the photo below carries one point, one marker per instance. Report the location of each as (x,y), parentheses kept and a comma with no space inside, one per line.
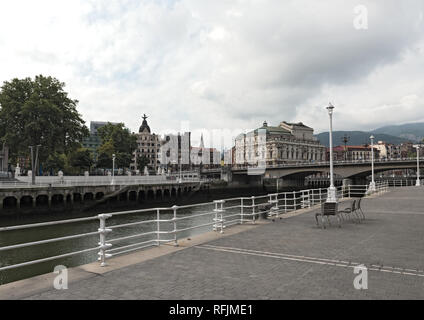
(144,126)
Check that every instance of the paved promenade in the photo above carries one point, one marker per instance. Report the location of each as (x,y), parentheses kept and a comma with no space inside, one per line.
(289,259)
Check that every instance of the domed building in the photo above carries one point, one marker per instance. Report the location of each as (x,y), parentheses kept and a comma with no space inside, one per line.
(148,145)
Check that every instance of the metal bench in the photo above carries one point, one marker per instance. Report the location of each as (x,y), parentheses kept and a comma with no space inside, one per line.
(358,208)
(349,211)
(328,209)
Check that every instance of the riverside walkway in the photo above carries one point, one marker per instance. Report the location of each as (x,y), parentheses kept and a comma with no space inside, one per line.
(290,258)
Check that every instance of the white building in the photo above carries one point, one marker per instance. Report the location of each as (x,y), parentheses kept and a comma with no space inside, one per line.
(204,156)
(287,143)
(175,151)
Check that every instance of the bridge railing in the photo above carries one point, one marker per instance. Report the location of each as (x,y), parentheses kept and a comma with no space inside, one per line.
(326,163)
(94,181)
(403,182)
(153,227)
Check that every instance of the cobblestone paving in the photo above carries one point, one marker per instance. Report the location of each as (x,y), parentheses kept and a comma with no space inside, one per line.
(390,242)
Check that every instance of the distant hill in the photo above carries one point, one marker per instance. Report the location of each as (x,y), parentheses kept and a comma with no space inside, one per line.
(358,138)
(410,131)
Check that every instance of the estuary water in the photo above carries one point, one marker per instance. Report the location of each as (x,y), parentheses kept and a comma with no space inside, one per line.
(15,256)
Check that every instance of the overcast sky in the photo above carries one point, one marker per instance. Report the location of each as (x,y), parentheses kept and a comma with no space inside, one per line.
(223,64)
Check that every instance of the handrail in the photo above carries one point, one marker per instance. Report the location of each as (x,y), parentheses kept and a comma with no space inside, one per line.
(222,215)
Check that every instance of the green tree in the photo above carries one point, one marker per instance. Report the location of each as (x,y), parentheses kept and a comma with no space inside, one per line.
(81,159)
(39,112)
(105,151)
(116,140)
(55,162)
(142,162)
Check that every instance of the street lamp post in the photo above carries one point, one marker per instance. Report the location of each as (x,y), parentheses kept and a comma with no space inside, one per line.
(34,164)
(345,140)
(418,165)
(372,183)
(331,194)
(113,168)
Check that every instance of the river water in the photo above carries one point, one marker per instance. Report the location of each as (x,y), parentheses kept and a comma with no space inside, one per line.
(21,255)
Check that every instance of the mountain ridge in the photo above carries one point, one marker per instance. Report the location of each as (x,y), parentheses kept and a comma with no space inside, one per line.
(395,134)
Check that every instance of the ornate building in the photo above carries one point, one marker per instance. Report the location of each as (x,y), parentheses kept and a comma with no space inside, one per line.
(287,143)
(353,153)
(148,145)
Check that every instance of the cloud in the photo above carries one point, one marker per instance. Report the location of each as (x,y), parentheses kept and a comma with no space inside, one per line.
(223,64)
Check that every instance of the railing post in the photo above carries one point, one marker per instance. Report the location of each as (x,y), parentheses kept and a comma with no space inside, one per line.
(285,202)
(158,226)
(174,208)
(309,198)
(241,209)
(294,201)
(220,210)
(103,245)
(253,210)
(320,195)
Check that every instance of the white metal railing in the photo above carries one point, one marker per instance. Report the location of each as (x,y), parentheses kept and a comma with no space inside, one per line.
(166,226)
(312,163)
(403,182)
(25,182)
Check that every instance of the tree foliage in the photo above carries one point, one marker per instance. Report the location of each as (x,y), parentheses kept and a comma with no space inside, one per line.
(55,162)
(142,162)
(81,159)
(39,112)
(118,140)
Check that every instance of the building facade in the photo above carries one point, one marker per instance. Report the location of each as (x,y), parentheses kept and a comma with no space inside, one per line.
(206,157)
(388,151)
(286,143)
(353,153)
(93,141)
(148,146)
(175,152)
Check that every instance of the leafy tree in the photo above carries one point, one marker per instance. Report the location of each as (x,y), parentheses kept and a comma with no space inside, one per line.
(55,162)
(123,159)
(105,151)
(104,161)
(120,137)
(117,140)
(81,158)
(39,112)
(142,162)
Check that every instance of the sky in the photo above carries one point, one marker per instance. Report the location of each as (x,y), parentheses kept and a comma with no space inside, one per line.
(223,67)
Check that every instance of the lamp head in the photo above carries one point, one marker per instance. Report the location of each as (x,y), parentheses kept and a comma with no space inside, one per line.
(330,108)
(372,137)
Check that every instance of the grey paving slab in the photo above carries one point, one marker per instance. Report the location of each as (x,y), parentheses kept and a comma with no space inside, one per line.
(289,259)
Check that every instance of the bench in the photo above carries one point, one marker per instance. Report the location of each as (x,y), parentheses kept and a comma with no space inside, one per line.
(328,209)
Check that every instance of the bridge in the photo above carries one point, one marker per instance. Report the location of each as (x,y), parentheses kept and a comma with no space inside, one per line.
(295,174)
(65,192)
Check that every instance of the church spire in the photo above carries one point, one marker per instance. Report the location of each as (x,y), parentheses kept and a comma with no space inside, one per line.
(144,126)
(202,145)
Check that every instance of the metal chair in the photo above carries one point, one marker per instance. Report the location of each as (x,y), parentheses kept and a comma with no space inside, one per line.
(328,209)
(349,210)
(359,209)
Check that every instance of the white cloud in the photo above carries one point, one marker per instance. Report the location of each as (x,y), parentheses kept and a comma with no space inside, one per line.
(223,64)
